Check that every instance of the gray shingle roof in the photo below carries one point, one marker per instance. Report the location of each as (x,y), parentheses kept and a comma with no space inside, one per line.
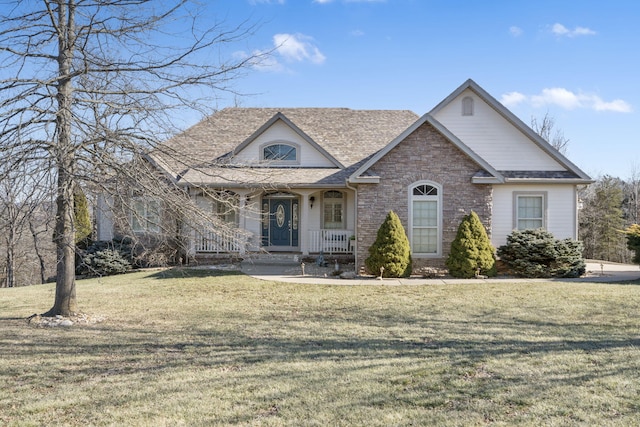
(350,136)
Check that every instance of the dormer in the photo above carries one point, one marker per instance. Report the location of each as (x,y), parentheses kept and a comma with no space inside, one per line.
(280,143)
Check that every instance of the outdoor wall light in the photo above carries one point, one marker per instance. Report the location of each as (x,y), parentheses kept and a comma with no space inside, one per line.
(311,200)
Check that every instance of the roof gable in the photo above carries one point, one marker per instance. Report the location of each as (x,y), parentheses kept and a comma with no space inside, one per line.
(533,152)
(273,121)
(491,176)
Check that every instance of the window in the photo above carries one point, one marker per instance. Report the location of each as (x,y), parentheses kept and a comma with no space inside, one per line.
(425,219)
(226,206)
(145,215)
(467,106)
(222,204)
(280,152)
(333,210)
(530,210)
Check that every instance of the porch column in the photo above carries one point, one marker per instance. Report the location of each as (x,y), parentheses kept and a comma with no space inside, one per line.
(191,235)
(304,224)
(242,220)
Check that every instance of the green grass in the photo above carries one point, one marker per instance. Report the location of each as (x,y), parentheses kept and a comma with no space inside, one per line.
(225,349)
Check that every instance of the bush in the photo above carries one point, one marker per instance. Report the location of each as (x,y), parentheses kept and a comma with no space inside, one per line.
(391,250)
(633,241)
(471,250)
(106,263)
(105,258)
(536,253)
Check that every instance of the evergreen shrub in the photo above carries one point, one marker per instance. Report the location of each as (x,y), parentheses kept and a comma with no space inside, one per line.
(82,218)
(105,258)
(471,251)
(391,250)
(106,262)
(536,253)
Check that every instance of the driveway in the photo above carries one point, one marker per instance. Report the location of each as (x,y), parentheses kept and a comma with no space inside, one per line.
(604,271)
(291,272)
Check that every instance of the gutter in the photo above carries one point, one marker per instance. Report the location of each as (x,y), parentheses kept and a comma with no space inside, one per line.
(355,245)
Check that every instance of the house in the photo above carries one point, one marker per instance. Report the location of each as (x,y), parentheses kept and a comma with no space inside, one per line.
(321,180)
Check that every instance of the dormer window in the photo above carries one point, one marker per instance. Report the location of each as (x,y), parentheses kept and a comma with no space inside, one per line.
(467,106)
(280,153)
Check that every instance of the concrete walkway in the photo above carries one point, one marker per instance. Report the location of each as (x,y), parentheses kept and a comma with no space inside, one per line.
(292,273)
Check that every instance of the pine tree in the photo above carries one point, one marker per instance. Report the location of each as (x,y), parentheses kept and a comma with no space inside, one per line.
(471,250)
(391,250)
(601,219)
(81,217)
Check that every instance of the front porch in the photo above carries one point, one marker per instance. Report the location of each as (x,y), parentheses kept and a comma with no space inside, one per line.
(304,222)
(326,241)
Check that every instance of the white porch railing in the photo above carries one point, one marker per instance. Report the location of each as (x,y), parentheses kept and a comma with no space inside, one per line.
(218,242)
(331,241)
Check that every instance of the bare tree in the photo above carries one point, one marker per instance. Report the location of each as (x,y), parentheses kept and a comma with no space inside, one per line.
(22,192)
(88,85)
(546,129)
(631,203)
(39,227)
(602,222)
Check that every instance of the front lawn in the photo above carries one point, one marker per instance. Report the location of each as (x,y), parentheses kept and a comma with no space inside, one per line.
(206,348)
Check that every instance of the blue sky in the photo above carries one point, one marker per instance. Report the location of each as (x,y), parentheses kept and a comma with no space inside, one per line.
(577,60)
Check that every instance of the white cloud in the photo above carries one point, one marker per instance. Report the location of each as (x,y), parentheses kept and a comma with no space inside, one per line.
(260,60)
(562,31)
(297,48)
(617,105)
(566,99)
(288,47)
(512,99)
(515,31)
(556,96)
(322,1)
(357,33)
(559,30)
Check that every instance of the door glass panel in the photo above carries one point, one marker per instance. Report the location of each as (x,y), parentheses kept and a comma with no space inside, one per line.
(280,215)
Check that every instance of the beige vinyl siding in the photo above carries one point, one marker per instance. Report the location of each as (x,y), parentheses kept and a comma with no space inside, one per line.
(560,213)
(493,138)
(104,218)
(280,133)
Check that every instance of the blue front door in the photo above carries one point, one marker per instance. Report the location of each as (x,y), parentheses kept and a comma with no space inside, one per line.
(282,228)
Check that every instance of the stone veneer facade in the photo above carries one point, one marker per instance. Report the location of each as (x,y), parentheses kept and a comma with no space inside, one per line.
(425,154)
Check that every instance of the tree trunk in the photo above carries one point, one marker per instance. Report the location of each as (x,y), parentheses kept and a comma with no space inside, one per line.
(65,300)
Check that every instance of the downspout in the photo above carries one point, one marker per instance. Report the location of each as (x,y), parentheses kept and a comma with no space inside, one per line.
(576,210)
(355,245)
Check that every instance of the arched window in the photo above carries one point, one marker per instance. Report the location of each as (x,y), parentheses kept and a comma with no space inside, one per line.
(280,152)
(333,209)
(425,218)
(467,106)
